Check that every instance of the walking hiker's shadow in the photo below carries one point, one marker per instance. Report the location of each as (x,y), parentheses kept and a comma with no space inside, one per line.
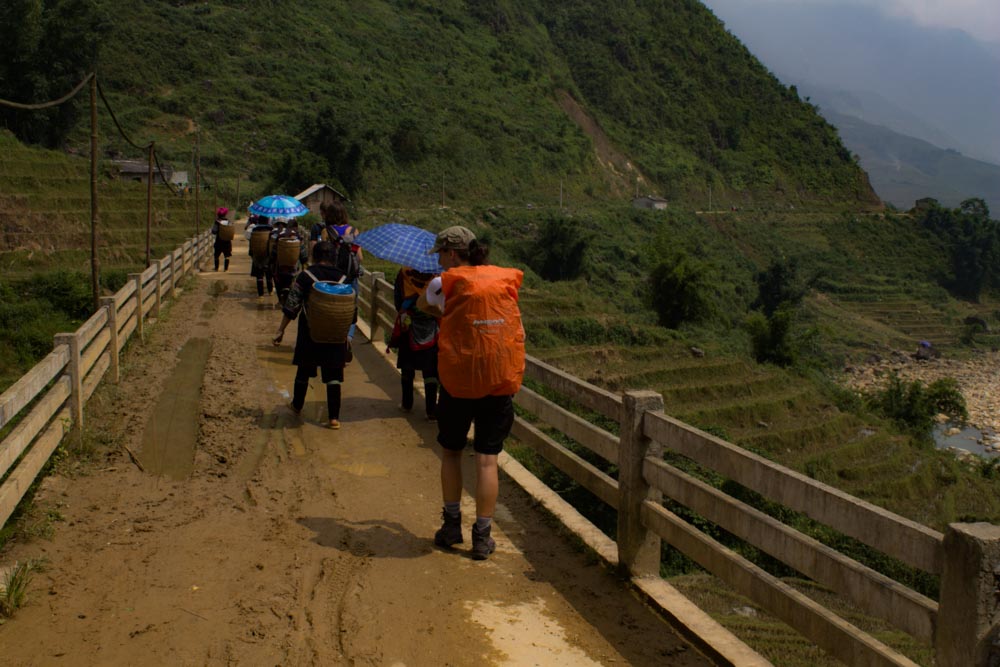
(373,539)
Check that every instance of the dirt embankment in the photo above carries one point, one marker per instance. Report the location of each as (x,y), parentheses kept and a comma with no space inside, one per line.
(282,542)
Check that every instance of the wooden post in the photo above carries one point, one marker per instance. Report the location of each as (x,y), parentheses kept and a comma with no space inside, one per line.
(137,279)
(75,377)
(95,267)
(377,276)
(109,303)
(968,632)
(173,274)
(638,547)
(159,287)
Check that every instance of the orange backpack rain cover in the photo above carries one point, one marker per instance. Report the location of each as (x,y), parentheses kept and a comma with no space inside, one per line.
(481,345)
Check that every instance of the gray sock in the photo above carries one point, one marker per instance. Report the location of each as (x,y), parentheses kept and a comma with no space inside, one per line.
(483,523)
(453,509)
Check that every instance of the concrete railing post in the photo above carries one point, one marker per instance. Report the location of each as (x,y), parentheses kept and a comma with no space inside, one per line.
(159,287)
(638,547)
(968,626)
(373,321)
(137,279)
(109,303)
(72,341)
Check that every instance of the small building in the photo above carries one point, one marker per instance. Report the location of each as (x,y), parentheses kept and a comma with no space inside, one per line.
(651,202)
(316,195)
(138,170)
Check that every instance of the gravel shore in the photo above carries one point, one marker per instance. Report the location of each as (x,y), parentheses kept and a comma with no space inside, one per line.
(978,379)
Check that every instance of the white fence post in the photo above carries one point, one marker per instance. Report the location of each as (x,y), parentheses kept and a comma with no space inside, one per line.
(109,303)
(137,279)
(159,287)
(968,633)
(638,547)
(75,377)
(376,277)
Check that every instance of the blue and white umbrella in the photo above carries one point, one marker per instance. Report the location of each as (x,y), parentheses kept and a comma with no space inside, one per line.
(402,244)
(278,206)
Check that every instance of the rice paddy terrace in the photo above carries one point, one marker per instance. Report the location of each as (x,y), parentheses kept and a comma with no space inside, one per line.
(45,214)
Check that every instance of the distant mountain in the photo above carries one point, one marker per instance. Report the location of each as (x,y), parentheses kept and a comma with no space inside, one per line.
(903,169)
(873,108)
(945,77)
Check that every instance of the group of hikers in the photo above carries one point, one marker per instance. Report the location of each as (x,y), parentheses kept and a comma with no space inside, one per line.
(461,329)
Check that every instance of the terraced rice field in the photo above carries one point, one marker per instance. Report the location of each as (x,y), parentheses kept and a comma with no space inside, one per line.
(45,215)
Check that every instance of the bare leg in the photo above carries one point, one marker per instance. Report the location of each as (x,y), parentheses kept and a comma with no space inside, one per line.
(451,475)
(487,484)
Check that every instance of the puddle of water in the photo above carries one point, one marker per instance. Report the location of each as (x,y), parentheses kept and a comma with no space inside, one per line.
(967,438)
(171,434)
(208,309)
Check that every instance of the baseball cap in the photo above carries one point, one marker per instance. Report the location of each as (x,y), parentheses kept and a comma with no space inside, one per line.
(453,238)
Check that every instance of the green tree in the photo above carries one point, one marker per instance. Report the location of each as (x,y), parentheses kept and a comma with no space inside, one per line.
(681,290)
(559,252)
(48,47)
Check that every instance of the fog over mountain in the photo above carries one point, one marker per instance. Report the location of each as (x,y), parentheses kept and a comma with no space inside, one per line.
(937,84)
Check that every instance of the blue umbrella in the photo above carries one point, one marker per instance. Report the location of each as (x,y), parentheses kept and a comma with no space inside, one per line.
(402,244)
(278,206)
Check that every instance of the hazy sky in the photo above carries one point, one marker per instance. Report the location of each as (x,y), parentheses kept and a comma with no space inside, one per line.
(979,18)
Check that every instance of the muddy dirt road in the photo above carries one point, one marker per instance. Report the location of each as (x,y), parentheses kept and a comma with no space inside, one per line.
(258,538)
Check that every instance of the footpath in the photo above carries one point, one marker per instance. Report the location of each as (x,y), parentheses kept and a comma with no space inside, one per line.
(208,525)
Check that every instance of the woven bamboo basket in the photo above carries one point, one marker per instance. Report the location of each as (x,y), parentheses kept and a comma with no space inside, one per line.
(288,252)
(330,310)
(227,231)
(258,243)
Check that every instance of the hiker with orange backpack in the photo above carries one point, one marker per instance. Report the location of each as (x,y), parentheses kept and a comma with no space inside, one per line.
(480,367)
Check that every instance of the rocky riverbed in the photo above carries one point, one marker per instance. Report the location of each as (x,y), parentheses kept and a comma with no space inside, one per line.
(978,379)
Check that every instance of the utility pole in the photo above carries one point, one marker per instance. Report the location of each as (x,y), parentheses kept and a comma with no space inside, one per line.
(149,200)
(197,181)
(94,263)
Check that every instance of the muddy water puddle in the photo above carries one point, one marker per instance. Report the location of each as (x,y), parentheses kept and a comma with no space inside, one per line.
(171,434)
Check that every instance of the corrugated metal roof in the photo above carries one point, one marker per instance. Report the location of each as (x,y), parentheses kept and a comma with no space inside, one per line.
(316,188)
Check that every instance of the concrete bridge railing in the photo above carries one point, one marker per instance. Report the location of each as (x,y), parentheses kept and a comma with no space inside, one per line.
(962,627)
(47,403)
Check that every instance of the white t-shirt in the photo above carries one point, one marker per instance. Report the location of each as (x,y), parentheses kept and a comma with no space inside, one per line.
(435,295)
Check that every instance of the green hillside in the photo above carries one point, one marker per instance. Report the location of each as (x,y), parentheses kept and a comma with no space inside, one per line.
(494,99)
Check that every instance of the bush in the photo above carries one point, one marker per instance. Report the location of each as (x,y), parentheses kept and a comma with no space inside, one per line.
(913,406)
(771,337)
(680,291)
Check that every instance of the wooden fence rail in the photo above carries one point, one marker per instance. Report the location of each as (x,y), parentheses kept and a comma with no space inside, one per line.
(48,401)
(962,628)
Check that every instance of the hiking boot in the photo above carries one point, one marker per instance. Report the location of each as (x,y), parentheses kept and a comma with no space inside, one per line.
(482,544)
(450,532)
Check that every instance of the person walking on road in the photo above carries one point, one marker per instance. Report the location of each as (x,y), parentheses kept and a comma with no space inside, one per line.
(259,233)
(224,233)
(286,258)
(480,367)
(415,336)
(330,358)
